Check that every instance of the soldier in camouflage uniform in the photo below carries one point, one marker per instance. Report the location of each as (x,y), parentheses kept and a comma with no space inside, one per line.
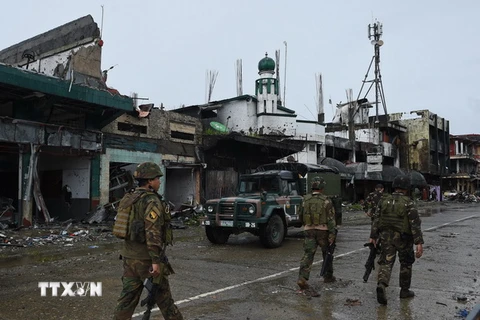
(398,227)
(143,252)
(372,199)
(318,218)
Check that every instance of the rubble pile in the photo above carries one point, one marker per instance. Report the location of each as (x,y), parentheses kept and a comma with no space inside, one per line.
(462,197)
(58,235)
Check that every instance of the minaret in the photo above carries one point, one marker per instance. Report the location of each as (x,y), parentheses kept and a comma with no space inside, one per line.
(266,88)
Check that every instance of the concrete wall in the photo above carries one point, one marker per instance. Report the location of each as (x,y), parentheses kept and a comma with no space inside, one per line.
(59,171)
(276,124)
(158,125)
(367,135)
(239,116)
(180,185)
(310,131)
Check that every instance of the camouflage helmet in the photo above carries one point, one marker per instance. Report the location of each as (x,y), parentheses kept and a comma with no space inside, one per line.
(401,182)
(147,170)
(318,183)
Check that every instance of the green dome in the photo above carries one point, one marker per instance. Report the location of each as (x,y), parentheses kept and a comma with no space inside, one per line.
(266,64)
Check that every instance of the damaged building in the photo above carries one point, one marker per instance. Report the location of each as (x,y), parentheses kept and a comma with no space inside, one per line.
(464,171)
(367,145)
(167,138)
(425,146)
(69,143)
(245,131)
(53,105)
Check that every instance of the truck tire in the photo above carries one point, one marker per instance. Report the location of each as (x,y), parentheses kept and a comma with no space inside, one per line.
(273,233)
(217,235)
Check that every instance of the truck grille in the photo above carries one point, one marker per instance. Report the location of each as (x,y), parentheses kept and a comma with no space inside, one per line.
(227,210)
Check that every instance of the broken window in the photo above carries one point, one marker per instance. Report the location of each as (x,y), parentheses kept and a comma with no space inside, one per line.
(183,131)
(182,135)
(123,126)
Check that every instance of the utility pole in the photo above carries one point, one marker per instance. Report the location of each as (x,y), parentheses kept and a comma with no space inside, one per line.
(351,123)
(285,76)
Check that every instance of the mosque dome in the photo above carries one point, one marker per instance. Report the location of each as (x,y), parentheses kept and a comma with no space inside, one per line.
(266,64)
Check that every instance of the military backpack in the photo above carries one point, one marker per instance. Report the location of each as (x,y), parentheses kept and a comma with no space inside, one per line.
(393,213)
(122,220)
(315,210)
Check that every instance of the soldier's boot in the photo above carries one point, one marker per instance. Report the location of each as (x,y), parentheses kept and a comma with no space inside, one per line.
(302,283)
(329,279)
(405,293)
(311,292)
(381,295)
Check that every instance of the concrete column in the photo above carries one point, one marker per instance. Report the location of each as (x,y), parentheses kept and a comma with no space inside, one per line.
(104,183)
(95,170)
(27,198)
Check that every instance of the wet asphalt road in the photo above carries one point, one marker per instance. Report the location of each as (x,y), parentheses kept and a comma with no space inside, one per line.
(243,280)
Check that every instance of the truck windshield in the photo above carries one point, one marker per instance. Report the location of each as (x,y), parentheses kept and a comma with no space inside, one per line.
(258,184)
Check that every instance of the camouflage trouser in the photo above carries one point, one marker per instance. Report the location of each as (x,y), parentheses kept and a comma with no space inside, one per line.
(313,239)
(134,273)
(391,243)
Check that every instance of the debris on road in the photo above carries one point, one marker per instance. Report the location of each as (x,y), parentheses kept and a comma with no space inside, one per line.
(55,235)
(352,302)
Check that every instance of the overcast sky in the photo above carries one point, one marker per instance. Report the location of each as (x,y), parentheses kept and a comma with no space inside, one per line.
(430,57)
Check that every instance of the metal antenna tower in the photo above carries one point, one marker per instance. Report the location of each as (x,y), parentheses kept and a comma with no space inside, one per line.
(375,32)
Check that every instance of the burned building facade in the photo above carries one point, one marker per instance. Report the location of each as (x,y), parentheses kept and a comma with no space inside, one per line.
(425,145)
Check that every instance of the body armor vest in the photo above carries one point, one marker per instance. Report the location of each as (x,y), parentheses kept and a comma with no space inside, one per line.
(393,213)
(122,221)
(315,211)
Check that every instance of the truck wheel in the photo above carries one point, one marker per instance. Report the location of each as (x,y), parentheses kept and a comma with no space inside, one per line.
(274,232)
(216,235)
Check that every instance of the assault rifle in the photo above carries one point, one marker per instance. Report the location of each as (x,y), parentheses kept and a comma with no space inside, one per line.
(152,289)
(328,259)
(370,265)
(152,284)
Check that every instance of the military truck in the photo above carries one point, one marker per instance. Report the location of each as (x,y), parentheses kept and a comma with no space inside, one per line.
(267,202)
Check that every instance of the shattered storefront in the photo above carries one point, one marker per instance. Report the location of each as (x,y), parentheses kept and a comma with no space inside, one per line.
(49,140)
